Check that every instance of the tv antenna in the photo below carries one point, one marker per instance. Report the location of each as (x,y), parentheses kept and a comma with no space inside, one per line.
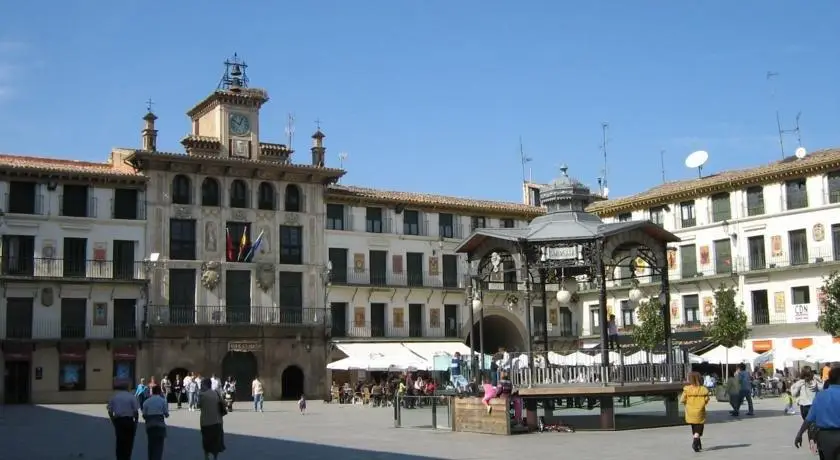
(603,182)
(290,129)
(795,130)
(523,159)
(341,157)
(662,164)
(697,160)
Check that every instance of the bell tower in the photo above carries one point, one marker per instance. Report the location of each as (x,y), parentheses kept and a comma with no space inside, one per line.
(149,133)
(318,149)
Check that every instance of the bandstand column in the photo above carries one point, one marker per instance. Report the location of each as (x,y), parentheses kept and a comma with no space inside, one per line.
(665,299)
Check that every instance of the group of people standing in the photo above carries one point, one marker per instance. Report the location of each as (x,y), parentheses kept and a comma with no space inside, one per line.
(151,401)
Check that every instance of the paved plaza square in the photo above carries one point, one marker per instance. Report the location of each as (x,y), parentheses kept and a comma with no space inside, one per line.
(355,432)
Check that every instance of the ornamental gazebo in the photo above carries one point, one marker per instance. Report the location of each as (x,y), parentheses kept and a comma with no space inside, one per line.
(564,247)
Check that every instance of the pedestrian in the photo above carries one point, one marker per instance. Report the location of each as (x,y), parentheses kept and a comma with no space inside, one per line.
(612,333)
(302,404)
(141,392)
(192,391)
(804,391)
(178,389)
(824,418)
(166,388)
(489,394)
(695,397)
(123,411)
(258,394)
(733,390)
(155,412)
(745,382)
(212,411)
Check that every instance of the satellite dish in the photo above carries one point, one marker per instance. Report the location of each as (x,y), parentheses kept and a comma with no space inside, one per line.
(801,153)
(697,160)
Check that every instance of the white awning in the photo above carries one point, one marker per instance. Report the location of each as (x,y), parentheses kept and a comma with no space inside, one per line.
(428,350)
(382,356)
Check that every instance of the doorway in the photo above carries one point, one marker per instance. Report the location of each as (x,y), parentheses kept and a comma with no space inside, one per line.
(377,320)
(16,382)
(415,320)
(242,366)
(291,382)
(338,312)
(760,307)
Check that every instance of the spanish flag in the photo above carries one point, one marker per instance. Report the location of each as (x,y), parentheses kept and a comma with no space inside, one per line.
(243,243)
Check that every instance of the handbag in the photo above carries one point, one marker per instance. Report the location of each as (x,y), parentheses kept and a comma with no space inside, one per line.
(222,409)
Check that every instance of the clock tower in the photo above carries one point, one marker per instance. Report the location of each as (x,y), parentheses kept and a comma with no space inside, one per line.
(227,123)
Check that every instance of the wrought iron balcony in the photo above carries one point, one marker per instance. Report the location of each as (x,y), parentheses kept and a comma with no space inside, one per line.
(32,204)
(367,329)
(72,208)
(24,268)
(385,278)
(56,329)
(798,259)
(221,315)
(131,211)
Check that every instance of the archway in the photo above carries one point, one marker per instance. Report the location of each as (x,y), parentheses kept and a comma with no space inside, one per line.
(291,383)
(177,372)
(242,366)
(499,331)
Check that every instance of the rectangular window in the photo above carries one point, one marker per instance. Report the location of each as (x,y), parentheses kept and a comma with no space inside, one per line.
(73,318)
(478,222)
(688,261)
(411,222)
(688,218)
(291,245)
(798,246)
(373,220)
(74,201)
(338,260)
(335,217)
(657,215)
(835,241)
(19,316)
(19,255)
(757,253)
(126,204)
(450,271)
(182,239)
(796,194)
(124,265)
(534,196)
(691,307)
(290,285)
(755,201)
(71,373)
(23,198)
(446,225)
(625,217)
(721,207)
(378,267)
(414,268)
(833,180)
(75,257)
(240,236)
(627,317)
(723,256)
(507,223)
(182,287)
(125,318)
(800,295)
(594,319)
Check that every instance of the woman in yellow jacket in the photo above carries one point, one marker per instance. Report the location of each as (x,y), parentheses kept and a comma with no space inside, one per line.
(695,397)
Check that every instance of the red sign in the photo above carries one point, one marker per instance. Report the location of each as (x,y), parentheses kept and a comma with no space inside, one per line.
(72,352)
(125,353)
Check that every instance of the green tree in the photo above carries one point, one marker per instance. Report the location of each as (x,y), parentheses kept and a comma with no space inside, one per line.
(651,331)
(729,326)
(829,320)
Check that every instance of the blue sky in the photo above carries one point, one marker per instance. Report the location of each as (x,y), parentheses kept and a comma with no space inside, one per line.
(432,96)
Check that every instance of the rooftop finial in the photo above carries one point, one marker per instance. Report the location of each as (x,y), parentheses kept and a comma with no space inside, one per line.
(235,77)
(317,124)
(149,104)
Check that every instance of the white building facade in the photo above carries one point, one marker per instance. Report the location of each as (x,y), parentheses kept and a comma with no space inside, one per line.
(772,233)
(71,277)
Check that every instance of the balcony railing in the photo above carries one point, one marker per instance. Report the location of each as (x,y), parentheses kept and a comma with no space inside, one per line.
(32,205)
(54,329)
(68,268)
(76,209)
(421,228)
(220,315)
(795,200)
(384,278)
(138,212)
(764,317)
(455,231)
(832,197)
(383,225)
(388,330)
(797,259)
(754,209)
(345,223)
(560,330)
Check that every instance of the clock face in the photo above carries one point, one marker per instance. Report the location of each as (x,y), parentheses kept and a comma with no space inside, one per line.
(239,124)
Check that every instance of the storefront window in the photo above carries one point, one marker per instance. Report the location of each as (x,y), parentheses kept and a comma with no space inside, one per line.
(71,375)
(124,373)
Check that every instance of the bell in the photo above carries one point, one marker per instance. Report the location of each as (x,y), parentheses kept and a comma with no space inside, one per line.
(236,71)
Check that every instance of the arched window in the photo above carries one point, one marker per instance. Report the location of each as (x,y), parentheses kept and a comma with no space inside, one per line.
(210,193)
(292,198)
(266,196)
(181,192)
(238,194)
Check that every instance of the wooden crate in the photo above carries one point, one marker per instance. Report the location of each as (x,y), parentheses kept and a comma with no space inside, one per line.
(470,416)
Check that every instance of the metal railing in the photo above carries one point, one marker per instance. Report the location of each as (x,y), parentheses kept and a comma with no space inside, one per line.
(221,315)
(383,225)
(425,411)
(385,278)
(70,268)
(33,204)
(587,368)
(455,231)
(420,228)
(795,259)
(55,329)
(72,208)
(373,329)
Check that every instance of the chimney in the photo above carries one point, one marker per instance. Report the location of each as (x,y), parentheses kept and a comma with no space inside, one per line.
(318,150)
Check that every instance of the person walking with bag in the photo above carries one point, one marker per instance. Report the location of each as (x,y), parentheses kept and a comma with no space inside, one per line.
(210,420)
(803,392)
(695,397)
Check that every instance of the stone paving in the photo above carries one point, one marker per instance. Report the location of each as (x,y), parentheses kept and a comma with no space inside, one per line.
(356,433)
